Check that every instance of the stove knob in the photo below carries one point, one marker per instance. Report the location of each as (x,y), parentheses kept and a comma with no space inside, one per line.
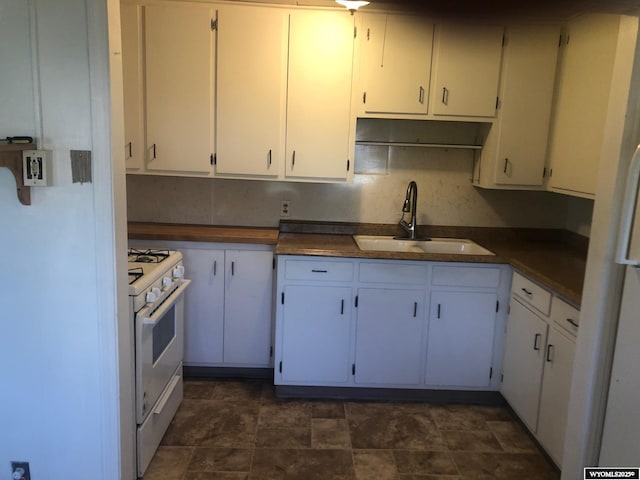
(156,291)
(166,282)
(151,297)
(178,272)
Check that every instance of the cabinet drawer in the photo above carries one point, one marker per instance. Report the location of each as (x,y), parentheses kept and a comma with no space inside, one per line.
(466,276)
(565,316)
(392,273)
(318,270)
(532,293)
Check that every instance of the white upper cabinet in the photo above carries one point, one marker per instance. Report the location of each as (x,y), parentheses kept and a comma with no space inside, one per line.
(396,63)
(179,55)
(130,15)
(319,95)
(251,90)
(466,69)
(583,93)
(515,152)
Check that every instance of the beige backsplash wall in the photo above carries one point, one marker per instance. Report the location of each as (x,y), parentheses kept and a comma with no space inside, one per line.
(445,197)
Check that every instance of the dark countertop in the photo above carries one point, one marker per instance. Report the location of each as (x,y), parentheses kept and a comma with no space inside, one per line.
(202,233)
(555,258)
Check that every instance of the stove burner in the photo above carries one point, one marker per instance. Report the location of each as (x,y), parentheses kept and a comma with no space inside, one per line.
(147,256)
(135,274)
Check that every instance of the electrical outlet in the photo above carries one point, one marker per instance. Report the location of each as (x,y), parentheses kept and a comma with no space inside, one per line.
(20,471)
(285,208)
(36,168)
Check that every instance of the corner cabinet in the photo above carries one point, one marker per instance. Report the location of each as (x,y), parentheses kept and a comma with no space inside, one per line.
(538,361)
(179,67)
(371,323)
(515,151)
(466,66)
(596,62)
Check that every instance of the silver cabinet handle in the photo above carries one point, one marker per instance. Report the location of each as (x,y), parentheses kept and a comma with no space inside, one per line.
(421,95)
(233,268)
(438,314)
(342,307)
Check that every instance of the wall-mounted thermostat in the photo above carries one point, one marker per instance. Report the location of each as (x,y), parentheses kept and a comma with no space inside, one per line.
(37,170)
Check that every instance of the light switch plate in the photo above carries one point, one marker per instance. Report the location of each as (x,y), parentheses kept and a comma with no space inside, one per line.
(37,170)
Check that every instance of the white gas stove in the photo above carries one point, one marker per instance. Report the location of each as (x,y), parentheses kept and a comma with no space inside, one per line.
(156,288)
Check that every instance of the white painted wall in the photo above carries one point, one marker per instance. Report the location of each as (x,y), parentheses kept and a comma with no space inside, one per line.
(58,327)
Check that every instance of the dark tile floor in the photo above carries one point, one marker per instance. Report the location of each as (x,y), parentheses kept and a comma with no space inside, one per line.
(238,430)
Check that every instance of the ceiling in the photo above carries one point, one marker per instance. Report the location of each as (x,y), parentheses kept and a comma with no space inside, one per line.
(484,8)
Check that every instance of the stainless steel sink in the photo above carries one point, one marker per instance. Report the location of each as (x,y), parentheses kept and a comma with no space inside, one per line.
(382,243)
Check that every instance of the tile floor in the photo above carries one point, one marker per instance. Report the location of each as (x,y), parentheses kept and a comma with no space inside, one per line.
(238,430)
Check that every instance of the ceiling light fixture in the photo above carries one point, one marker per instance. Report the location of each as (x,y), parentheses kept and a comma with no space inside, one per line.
(352,5)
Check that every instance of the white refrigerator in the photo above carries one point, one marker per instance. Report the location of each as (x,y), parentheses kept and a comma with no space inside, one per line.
(621,435)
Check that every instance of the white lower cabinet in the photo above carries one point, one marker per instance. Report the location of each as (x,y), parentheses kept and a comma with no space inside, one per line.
(316,334)
(538,362)
(248,307)
(204,307)
(389,329)
(554,397)
(461,337)
(229,306)
(363,323)
(523,361)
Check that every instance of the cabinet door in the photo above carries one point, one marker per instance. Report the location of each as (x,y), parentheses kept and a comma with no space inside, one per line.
(248,307)
(179,46)
(389,336)
(316,327)
(582,102)
(466,69)
(460,339)
(203,307)
(528,77)
(319,94)
(130,18)
(251,89)
(524,351)
(554,398)
(397,63)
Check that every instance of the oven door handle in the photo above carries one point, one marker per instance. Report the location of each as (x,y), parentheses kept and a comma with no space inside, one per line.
(162,309)
(167,394)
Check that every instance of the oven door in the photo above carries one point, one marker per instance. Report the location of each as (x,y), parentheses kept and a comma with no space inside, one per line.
(159,349)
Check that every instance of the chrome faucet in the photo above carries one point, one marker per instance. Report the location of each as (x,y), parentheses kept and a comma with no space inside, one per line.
(410,206)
